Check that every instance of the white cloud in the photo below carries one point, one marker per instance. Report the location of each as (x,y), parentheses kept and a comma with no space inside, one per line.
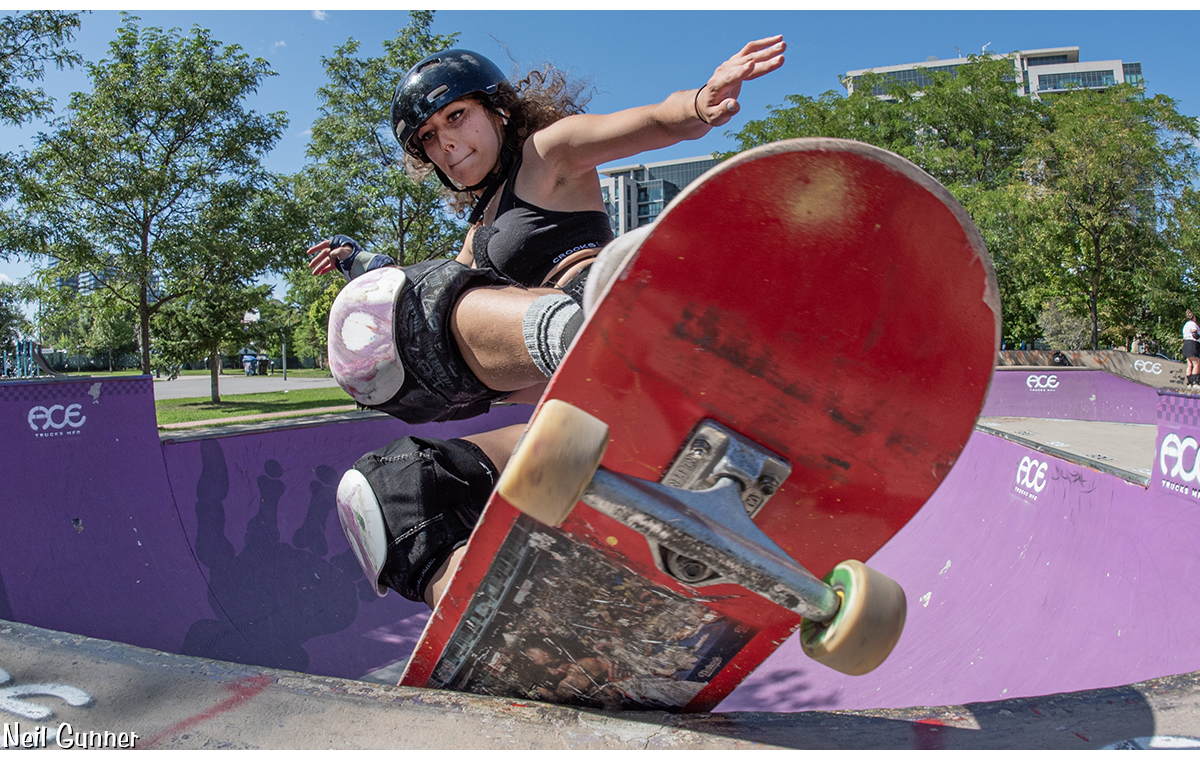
(278,45)
(5,279)
(320,15)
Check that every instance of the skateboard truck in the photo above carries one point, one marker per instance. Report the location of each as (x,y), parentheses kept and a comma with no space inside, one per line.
(711,455)
(710,529)
(714,451)
(698,522)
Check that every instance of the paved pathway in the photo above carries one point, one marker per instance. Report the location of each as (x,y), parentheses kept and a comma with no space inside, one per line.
(195,386)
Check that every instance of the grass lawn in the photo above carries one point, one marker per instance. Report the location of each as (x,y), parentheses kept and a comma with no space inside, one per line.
(243,404)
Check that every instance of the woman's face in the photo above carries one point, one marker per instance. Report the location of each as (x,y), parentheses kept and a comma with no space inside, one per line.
(463,139)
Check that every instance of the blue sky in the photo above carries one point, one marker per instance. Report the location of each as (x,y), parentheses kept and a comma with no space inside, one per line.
(638,57)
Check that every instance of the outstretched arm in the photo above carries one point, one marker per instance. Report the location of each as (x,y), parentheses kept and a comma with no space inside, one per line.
(579,144)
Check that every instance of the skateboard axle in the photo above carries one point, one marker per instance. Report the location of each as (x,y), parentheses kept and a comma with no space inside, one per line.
(711,527)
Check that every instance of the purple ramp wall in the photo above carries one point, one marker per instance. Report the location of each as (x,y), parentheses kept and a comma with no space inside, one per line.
(1068,393)
(91,542)
(1025,576)
(284,588)
(224,547)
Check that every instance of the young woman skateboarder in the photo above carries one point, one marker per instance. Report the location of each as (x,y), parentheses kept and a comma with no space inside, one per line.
(444,339)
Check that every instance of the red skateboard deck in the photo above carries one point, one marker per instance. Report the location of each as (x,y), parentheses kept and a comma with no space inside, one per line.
(825,299)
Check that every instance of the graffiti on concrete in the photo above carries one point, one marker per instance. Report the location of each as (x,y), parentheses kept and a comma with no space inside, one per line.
(11,697)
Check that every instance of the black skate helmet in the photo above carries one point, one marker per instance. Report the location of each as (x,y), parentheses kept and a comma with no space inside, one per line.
(439,79)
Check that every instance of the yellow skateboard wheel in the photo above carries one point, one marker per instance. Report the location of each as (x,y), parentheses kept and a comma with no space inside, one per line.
(554,462)
(867,625)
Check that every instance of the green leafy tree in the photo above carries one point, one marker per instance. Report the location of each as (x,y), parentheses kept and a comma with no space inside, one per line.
(202,325)
(859,116)
(112,332)
(356,183)
(28,43)
(1105,179)
(1063,330)
(312,333)
(971,129)
(63,316)
(211,320)
(91,324)
(130,184)
(302,291)
(12,317)
(967,129)
(274,326)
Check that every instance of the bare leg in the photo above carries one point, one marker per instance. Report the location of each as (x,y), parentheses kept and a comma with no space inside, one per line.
(441,578)
(487,324)
(498,445)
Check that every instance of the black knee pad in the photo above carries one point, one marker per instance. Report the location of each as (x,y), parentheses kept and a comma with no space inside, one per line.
(429,494)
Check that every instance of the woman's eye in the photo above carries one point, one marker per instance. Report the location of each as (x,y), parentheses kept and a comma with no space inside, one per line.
(426,136)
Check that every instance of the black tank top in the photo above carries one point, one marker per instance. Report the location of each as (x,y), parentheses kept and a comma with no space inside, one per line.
(526,241)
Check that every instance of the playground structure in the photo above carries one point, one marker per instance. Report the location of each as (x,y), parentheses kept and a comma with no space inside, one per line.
(26,360)
(1036,569)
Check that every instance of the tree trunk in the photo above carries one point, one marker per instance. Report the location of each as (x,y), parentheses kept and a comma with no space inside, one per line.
(214,373)
(144,326)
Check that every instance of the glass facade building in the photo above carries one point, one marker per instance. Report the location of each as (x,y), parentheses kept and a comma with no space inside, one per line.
(635,195)
(1036,72)
(1066,80)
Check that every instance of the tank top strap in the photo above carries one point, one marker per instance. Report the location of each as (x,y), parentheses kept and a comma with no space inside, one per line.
(508,196)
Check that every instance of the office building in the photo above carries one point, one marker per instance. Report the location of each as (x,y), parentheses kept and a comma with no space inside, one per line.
(636,194)
(1035,72)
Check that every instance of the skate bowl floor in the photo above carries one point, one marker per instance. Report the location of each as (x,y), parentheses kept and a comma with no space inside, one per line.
(73,691)
(1050,580)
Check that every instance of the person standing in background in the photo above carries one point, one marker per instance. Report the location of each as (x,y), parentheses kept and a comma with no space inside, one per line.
(1191,349)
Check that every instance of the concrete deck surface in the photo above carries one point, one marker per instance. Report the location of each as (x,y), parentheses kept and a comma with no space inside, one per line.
(1118,448)
(174,702)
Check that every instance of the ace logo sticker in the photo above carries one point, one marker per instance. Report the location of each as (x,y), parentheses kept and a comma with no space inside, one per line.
(1031,477)
(56,420)
(1042,383)
(1179,465)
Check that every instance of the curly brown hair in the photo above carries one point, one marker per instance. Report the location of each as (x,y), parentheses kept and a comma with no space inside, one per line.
(539,99)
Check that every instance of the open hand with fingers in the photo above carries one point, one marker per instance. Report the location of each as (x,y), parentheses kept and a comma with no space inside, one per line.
(716,102)
(325,255)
